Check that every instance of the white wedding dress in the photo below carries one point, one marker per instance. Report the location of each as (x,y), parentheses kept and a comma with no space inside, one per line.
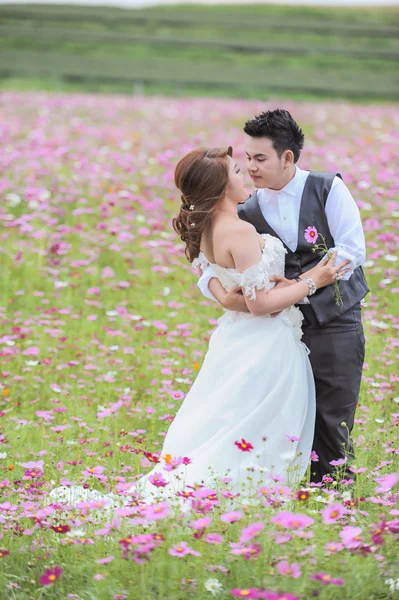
(255,384)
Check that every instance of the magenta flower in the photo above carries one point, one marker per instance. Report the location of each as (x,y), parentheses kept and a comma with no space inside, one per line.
(157,480)
(245,592)
(326,579)
(244,445)
(50,576)
(251,551)
(332,513)
(311,235)
(293,570)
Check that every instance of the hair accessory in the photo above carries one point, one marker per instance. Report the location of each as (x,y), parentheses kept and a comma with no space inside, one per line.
(192,207)
(192,224)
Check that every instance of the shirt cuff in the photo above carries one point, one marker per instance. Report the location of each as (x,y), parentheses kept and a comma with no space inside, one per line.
(344,255)
(203,283)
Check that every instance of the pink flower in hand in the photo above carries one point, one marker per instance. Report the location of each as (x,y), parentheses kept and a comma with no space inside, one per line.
(311,235)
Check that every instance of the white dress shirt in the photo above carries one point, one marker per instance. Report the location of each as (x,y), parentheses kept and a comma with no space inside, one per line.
(281,210)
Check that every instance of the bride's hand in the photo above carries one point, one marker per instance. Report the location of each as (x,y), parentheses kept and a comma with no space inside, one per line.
(281,282)
(325,273)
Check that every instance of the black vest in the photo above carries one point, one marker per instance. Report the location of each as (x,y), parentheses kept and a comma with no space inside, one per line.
(312,212)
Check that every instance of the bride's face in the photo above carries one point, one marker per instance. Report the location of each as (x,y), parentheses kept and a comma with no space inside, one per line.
(236,189)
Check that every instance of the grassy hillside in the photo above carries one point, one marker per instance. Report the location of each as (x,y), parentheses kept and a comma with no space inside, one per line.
(241,50)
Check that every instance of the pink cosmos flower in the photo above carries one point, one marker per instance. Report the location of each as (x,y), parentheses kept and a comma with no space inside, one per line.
(293,438)
(201,523)
(387,482)
(311,235)
(232,517)
(332,513)
(251,551)
(251,531)
(173,462)
(244,445)
(333,547)
(292,520)
(314,456)
(105,561)
(213,538)
(94,470)
(158,480)
(350,536)
(51,575)
(182,549)
(177,394)
(338,462)
(33,465)
(293,570)
(156,512)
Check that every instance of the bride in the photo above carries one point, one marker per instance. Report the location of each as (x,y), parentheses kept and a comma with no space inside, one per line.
(250,413)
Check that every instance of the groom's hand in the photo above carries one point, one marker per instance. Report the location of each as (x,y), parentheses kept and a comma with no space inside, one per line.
(234,300)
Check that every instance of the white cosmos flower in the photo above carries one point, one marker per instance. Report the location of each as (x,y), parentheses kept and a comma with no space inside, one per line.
(214,586)
(393,584)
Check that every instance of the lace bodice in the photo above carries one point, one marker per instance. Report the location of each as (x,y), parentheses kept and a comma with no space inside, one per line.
(256,277)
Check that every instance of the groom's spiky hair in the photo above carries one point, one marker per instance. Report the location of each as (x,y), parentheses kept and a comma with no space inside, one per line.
(281,128)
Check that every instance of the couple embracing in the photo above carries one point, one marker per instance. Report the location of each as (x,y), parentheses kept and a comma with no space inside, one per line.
(280,381)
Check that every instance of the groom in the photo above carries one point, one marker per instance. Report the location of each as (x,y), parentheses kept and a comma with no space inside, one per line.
(288,200)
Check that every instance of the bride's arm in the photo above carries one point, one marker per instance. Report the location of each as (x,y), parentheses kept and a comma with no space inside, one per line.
(246,253)
(211,288)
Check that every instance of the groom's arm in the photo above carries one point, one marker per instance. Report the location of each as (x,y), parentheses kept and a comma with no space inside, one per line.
(345,225)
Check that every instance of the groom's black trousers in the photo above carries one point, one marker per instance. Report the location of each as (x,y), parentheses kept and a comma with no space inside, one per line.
(336,355)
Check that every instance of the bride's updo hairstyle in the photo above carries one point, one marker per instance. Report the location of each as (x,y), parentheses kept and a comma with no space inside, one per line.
(201,176)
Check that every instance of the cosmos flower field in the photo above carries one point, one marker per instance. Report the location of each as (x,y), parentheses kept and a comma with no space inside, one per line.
(104,330)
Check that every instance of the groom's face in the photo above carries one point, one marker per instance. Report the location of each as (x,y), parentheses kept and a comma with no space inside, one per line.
(265,167)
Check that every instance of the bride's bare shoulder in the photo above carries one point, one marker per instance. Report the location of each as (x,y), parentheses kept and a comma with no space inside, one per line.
(239,227)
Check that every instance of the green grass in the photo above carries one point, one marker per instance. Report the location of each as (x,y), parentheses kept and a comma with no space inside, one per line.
(113,157)
(290,52)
